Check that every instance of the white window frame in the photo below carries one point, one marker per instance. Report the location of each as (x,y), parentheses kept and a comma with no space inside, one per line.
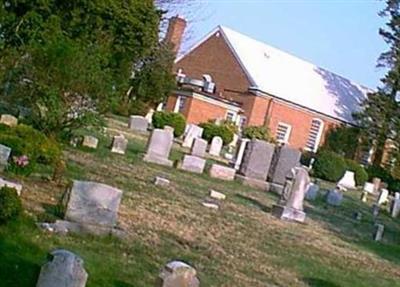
(287,134)
(233,113)
(319,135)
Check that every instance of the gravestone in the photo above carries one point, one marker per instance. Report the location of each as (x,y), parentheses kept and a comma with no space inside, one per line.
(375,210)
(240,153)
(364,196)
(378,233)
(119,144)
(348,181)
(383,196)
(312,192)
(199,147)
(170,129)
(149,116)
(192,132)
(222,172)
(377,183)
(138,123)
(8,120)
(334,197)
(193,164)
(160,181)
(285,158)
(178,274)
(290,206)
(16,186)
(217,195)
(159,146)
(256,162)
(92,203)
(5,153)
(90,142)
(64,269)
(395,206)
(369,187)
(210,204)
(216,146)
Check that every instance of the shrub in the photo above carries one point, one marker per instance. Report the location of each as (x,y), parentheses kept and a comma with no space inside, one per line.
(384,175)
(175,120)
(260,133)
(329,166)
(211,130)
(10,204)
(361,175)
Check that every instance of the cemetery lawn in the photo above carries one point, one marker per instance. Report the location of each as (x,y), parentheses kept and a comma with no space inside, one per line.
(240,245)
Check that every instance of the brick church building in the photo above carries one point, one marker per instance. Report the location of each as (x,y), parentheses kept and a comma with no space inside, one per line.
(228,75)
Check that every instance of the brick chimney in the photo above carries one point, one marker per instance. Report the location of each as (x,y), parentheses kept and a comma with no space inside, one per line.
(175,31)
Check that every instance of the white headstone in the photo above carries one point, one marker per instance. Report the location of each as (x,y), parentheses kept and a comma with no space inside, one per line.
(383,196)
(90,142)
(199,147)
(149,116)
(217,195)
(138,123)
(119,144)
(8,120)
(193,164)
(216,146)
(192,132)
(348,181)
(178,274)
(159,147)
(369,187)
(240,153)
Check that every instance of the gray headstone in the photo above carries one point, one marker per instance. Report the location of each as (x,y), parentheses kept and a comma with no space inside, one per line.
(93,203)
(64,269)
(138,123)
(216,146)
(222,172)
(312,192)
(159,147)
(334,197)
(378,233)
(285,158)
(90,142)
(199,147)
(178,274)
(257,159)
(193,164)
(160,181)
(119,144)
(5,153)
(395,206)
(8,120)
(192,132)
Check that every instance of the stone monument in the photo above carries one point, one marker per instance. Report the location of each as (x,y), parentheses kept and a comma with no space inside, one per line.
(348,181)
(216,146)
(119,144)
(178,274)
(159,146)
(138,123)
(199,147)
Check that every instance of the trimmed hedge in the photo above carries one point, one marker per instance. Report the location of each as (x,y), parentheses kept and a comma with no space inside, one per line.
(175,120)
(10,205)
(258,132)
(360,174)
(211,130)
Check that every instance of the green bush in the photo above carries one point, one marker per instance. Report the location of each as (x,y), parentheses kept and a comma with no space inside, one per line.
(175,120)
(385,176)
(361,175)
(10,204)
(211,130)
(329,166)
(260,133)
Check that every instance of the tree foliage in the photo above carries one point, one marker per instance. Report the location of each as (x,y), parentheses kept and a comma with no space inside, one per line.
(343,140)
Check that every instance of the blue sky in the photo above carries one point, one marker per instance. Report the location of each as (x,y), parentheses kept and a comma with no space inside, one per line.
(339,35)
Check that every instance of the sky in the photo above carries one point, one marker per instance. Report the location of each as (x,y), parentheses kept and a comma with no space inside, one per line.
(338,35)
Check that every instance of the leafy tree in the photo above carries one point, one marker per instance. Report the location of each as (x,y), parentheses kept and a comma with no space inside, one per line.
(258,132)
(380,116)
(65,62)
(343,140)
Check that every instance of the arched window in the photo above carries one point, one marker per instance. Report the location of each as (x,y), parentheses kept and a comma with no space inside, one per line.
(314,137)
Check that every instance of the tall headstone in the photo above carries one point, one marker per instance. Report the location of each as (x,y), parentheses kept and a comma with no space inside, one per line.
(257,160)
(193,164)
(119,144)
(378,232)
(285,158)
(395,206)
(348,181)
(90,142)
(149,116)
(159,147)
(192,132)
(199,147)
(138,123)
(5,153)
(334,197)
(290,206)
(64,269)
(383,196)
(8,120)
(240,153)
(216,146)
(178,274)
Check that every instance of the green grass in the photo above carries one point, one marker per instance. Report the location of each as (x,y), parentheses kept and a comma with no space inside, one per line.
(240,245)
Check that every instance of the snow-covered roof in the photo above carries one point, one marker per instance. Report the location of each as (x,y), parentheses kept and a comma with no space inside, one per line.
(287,77)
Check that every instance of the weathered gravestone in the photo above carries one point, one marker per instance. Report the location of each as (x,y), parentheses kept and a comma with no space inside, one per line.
(161,181)
(8,120)
(222,172)
(192,132)
(378,232)
(312,192)
(216,146)
(5,153)
(217,195)
(290,205)
(119,144)
(193,164)
(364,196)
(178,274)
(334,197)
(199,147)
(285,158)
(159,146)
(377,183)
(348,181)
(369,187)
(90,142)
(395,206)
(138,123)
(383,196)
(16,186)
(65,269)
(256,163)
(240,153)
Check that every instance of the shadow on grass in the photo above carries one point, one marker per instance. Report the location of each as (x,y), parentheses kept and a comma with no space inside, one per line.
(316,282)
(122,284)
(253,202)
